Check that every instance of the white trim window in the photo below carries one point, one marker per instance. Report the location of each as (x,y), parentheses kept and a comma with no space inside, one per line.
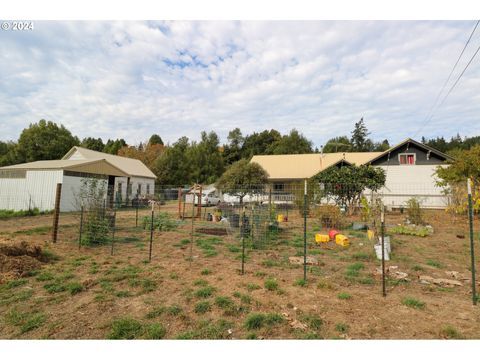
(407,159)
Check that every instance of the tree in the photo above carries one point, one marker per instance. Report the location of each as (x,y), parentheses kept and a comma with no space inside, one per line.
(338,144)
(173,167)
(360,140)
(93,144)
(381,146)
(155,140)
(293,143)
(44,140)
(112,146)
(232,151)
(242,178)
(453,178)
(346,184)
(206,158)
(148,155)
(260,143)
(8,153)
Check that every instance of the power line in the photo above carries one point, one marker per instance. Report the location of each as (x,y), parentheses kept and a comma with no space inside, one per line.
(432,109)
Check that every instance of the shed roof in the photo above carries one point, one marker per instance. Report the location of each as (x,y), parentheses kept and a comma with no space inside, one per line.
(304,166)
(131,167)
(100,166)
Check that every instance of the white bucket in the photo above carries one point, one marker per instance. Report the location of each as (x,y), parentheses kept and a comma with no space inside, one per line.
(378,252)
(386,241)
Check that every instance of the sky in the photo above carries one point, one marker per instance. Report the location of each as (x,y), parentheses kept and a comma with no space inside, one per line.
(132,79)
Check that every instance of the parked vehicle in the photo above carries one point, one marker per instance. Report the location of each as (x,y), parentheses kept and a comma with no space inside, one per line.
(208,199)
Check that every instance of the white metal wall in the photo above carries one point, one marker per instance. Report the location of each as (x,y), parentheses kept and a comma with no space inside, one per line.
(406,181)
(36,190)
(70,193)
(134,181)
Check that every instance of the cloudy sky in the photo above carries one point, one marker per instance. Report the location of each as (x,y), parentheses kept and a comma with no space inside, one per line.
(132,79)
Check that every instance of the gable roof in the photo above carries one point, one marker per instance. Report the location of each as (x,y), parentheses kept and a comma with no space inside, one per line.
(100,166)
(304,166)
(131,167)
(418,144)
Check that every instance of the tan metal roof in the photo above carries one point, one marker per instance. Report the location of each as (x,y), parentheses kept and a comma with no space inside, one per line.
(304,166)
(100,166)
(132,167)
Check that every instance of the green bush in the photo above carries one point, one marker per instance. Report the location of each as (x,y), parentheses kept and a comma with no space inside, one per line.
(155,331)
(202,307)
(6,214)
(205,292)
(413,303)
(126,328)
(271,284)
(414,212)
(74,288)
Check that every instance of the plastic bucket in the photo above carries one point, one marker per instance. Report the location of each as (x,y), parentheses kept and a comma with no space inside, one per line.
(280,218)
(322,238)
(378,252)
(332,233)
(370,234)
(341,240)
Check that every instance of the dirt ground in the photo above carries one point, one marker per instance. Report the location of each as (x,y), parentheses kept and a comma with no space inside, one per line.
(87,293)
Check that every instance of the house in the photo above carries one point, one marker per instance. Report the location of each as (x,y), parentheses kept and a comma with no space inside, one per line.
(33,185)
(409,168)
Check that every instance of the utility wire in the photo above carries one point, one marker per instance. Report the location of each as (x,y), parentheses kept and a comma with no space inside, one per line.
(432,109)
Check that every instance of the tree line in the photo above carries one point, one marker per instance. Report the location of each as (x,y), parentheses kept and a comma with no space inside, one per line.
(203,161)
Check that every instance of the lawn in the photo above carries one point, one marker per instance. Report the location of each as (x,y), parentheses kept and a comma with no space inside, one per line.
(195,290)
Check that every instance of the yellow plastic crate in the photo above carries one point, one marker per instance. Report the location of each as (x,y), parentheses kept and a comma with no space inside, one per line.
(322,238)
(342,240)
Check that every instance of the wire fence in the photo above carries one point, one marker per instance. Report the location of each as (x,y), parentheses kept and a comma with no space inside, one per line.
(297,221)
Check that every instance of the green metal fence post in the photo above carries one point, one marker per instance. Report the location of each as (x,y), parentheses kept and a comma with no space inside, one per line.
(472,245)
(305,232)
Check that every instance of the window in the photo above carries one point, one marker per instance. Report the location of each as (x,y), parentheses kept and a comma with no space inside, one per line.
(139,189)
(119,187)
(148,189)
(278,186)
(406,159)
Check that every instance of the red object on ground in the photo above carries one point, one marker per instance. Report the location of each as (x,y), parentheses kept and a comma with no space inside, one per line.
(332,233)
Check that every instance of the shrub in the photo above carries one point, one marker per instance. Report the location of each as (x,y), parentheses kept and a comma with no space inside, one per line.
(202,307)
(449,332)
(271,284)
(413,303)
(205,292)
(54,287)
(329,216)
(252,286)
(353,270)
(254,321)
(300,282)
(341,327)
(155,331)
(224,302)
(74,288)
(206,272)
(15,283)
(344,296)
(414,212)
(125,328)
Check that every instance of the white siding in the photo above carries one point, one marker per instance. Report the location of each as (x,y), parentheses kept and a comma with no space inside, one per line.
(70,190)
(36,190)
(406,181)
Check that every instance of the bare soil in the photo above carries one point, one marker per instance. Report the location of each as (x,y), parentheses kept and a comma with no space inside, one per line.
(342,297)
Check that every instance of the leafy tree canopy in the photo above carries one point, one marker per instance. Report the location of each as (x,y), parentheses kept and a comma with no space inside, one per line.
(93,144)
(44,140)
(346,184)
(155,140)
(242,178)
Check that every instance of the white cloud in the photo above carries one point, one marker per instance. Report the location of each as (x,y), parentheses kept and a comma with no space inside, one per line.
(132,79)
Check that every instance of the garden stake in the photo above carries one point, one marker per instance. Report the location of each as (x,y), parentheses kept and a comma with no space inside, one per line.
(81,227)
(136,215)
(305,233)
(382,220)
(151,237)
(191,232)
(472,252)
(113,230)
(242,229)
